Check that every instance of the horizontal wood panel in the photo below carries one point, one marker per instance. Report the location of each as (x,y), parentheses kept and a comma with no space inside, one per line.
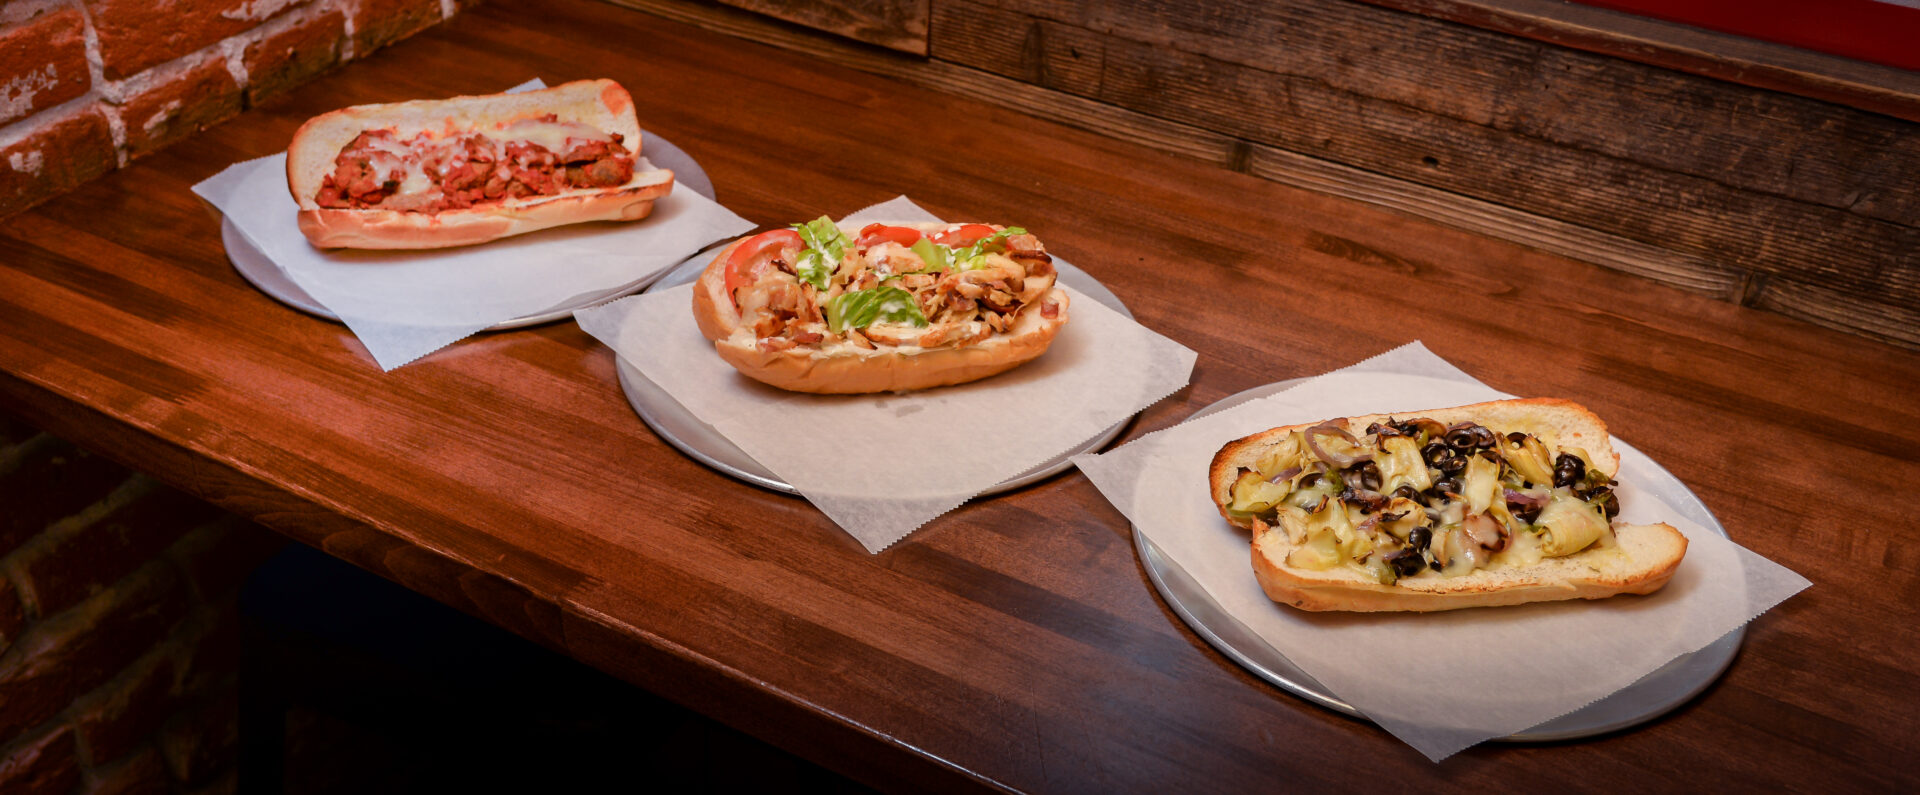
(1694,216)
(1760,141)
(1870,87)
(1700,184)
(1568,240)
(894,24)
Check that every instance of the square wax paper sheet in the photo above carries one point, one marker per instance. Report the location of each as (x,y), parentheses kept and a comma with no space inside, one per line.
(1439,681)
(883,465)
(405,304)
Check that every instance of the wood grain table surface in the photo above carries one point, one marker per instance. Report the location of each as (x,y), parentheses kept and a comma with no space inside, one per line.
(1016,642)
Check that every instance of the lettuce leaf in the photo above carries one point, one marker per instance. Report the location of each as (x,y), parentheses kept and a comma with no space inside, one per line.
(937,257)
(974,257)
(826,245)
(940,257)
(863,308)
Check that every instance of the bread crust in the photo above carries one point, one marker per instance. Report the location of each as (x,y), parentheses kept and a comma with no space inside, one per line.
(857,371)
(1653,553)
(1645,560)
(601,103)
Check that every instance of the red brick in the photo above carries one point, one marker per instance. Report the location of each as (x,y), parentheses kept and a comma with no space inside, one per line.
(136,35)
(64,566)
(288,58)
(378,23)
(51,479)
(114,719)
(66,655)
(209,655)
(218,556)
(55,158)
(44,765)
(200,743)
(43,62)
(139,774)
(206,93)
(13,615)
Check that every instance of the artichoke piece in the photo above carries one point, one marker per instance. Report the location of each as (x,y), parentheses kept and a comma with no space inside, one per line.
(1332,443)
(1333,518)
(1283,456)
(1321,552)
(1482,484)
(1409,515)
(1461,555)
(1253,495)
(1312,497)
(1293,521)
(1571,524)
(1402,465)
(1530,459)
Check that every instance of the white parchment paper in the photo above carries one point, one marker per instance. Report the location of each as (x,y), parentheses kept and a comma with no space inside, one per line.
(405,304)
(883,465)
(1441,681)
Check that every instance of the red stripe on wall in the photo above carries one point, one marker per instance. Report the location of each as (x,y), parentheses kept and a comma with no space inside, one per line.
(1868,30)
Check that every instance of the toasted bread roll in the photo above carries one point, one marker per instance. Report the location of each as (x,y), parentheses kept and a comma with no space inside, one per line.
(1491,504)
(466,170)
(867,312)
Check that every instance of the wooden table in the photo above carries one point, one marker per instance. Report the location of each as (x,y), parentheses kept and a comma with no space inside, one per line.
(1015,642)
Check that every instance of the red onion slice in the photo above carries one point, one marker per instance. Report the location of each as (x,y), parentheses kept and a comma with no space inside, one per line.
(1524,499)
(1333,428)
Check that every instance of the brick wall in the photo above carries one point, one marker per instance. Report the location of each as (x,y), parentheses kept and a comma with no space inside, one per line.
(87,85)
(119,634)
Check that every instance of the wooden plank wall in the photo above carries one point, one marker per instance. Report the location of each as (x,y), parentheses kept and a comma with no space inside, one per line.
(894,24)
(1772,200)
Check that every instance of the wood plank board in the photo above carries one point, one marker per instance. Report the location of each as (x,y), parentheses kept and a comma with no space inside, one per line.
(894,24)
(1681,178)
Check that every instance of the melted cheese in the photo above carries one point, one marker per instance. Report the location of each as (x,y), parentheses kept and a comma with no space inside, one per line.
(401,161)
(406,161)
(553,135)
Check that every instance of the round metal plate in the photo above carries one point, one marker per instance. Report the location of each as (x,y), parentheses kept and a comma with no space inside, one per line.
(681,429)
(1653,695)
(269,278)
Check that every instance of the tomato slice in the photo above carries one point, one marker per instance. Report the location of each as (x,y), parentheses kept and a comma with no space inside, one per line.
(878,233)
(756,247)
(965,235)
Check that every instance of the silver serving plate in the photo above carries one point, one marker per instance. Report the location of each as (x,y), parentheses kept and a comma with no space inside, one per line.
(672,422)
(269,278)
(1651,696)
